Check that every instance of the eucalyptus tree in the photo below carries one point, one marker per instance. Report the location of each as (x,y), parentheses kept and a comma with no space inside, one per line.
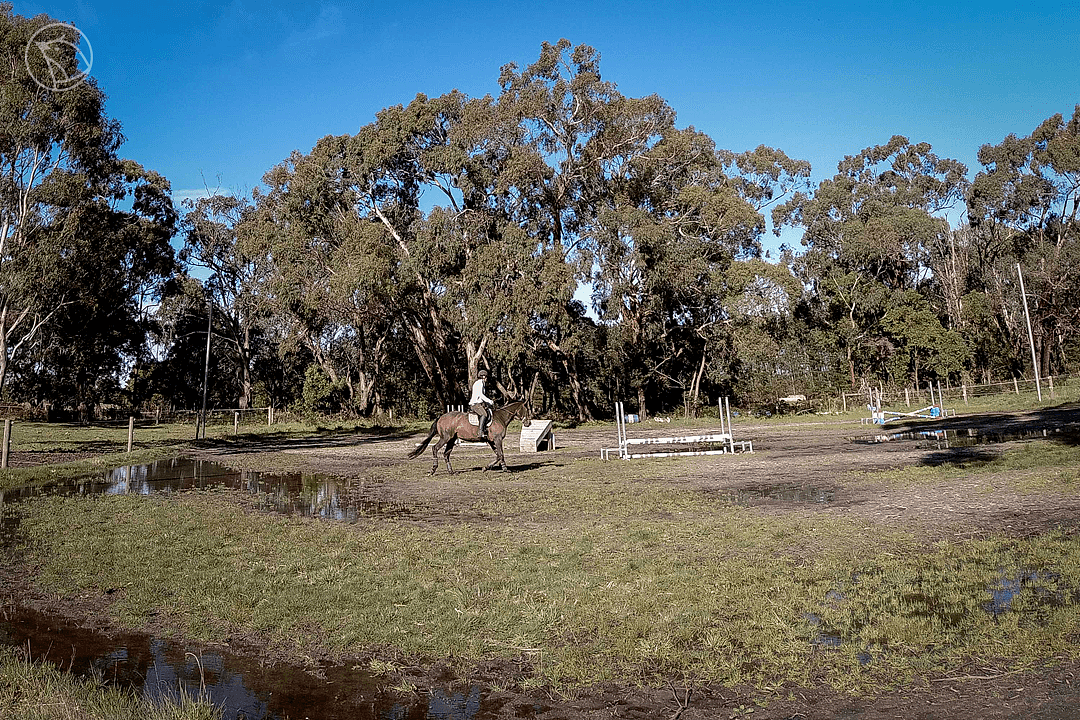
(1026,198)
(332,273)
(677,213)
(867,230)
(237,277)
(83,233)
(53,146)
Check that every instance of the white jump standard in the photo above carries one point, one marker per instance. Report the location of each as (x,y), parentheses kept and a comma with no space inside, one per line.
(723,438)
(878,416)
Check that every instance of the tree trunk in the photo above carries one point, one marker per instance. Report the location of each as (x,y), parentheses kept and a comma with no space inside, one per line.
(245,371)
(695,385)
(364,401)
(574,380)
(642,410)
(473,355)
(3,347)
(429,360)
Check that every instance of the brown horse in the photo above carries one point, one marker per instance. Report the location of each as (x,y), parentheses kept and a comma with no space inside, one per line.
(454,426)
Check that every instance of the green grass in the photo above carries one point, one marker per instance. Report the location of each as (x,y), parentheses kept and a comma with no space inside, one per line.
(594,573)
(591,572)
(38,691)
(1031,467)
(96,448)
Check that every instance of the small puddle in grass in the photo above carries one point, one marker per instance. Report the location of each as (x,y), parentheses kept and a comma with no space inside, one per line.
(307,494)
(241,687)
(1036,590)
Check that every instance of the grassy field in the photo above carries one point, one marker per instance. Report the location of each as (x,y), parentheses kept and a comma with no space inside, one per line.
(582,573)
(47,452)
(592,574)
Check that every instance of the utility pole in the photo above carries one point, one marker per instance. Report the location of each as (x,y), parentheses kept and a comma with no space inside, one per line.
(206,367)
(1031,338)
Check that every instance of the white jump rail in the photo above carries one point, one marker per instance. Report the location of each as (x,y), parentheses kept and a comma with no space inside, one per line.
(723,437)
(933,411)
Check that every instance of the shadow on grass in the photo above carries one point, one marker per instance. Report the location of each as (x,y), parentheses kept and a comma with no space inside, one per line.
(977,439)
(305,439)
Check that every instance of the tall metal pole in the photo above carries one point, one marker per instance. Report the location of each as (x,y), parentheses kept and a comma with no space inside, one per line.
(1031,338)
(206,367)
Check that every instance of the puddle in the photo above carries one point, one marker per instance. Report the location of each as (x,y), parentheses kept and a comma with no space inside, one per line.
(242,687)
(946,439)
(307,494)
(750,495)
(1032,590)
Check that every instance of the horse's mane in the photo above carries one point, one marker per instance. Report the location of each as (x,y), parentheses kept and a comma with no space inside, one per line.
(504,413)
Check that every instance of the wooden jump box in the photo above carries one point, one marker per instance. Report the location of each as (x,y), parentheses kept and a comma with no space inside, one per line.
(538,436)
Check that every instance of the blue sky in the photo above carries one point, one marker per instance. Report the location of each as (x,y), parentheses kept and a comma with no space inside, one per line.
(215,94)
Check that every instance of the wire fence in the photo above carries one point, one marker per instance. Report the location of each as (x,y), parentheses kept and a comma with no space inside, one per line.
(1053,388)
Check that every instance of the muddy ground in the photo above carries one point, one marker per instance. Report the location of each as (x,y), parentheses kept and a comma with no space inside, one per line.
(815,457)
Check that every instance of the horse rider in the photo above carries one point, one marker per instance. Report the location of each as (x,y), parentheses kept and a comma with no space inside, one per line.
(480,403)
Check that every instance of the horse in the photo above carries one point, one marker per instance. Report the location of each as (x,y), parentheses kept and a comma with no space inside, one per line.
(454,426)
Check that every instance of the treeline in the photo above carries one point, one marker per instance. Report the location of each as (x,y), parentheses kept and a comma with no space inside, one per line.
(382,269)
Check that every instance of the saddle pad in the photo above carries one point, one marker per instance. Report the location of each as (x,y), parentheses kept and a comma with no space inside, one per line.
(474,419)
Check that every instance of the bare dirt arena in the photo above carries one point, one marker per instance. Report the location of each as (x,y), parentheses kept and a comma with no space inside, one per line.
(819,458)
(815,456)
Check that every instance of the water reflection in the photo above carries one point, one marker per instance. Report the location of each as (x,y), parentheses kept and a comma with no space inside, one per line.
(307,494)
(243,688)
(947,439)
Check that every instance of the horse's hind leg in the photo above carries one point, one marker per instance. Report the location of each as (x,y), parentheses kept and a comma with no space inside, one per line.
(435,455)
(446,454)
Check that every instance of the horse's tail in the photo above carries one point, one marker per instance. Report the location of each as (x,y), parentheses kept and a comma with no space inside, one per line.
(423,446)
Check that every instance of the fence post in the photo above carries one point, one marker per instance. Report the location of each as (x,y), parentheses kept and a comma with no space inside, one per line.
(236,423)
(1051,379)
(157,416)
(269,416)
(131,431)
(907,397)
(963,387)
(843,396)
(7,445)
(1016,385)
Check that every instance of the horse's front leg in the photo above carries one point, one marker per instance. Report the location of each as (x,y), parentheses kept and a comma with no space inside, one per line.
(500,460)
(493,463)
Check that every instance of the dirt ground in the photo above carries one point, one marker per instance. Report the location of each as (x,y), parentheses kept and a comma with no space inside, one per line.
(813,457)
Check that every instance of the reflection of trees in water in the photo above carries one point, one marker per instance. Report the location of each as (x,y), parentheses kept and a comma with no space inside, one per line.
(307,494)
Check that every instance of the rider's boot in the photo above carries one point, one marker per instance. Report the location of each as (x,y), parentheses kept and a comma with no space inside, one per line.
(485,420)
